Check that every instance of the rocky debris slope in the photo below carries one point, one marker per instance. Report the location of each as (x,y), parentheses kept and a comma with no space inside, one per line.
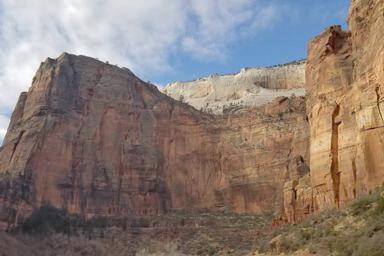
(345,104)
(250,87)
(355,230)
(96,140)
(173,234)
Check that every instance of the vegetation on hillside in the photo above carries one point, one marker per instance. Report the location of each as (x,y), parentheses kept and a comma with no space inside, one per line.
(357,230)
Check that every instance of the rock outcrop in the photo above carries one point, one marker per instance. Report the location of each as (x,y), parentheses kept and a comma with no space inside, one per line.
(251,87)
(96,140)
(345,85)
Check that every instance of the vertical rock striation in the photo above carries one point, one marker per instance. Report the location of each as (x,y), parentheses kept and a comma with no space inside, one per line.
(95,139)
(344,81)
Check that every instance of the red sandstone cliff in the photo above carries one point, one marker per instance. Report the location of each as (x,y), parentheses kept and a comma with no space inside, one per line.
(95,139)
(345,85)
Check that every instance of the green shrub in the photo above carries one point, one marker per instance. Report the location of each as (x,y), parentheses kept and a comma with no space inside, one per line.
(371,246)
(361,205)
(47,219)
(380,204)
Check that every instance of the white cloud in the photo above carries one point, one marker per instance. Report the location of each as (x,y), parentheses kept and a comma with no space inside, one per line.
(3,124)
(218,23)
(141,35)
(3,131)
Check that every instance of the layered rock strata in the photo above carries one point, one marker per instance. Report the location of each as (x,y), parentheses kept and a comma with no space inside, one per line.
(96,140)
(345,85)
(250,87)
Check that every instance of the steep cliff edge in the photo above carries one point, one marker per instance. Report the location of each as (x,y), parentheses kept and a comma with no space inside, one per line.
(250,87)
(345,85)
(96,140)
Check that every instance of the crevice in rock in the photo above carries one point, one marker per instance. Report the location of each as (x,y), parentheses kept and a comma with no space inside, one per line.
(378,98)
(16,144)
(373,128)
(294,197)
(354,170)
(122,167)
(288,169)
(335,173)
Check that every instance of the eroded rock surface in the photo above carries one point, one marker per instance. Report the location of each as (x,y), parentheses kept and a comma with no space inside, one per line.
(250,87)
(345,85)
(95,139)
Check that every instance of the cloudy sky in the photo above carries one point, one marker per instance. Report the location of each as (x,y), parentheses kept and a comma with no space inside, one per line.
(160,40)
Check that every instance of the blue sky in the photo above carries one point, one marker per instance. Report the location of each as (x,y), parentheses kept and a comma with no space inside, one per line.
(285,40)
(159,40)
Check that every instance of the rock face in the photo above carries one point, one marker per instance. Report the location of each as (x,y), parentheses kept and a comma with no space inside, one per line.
(95,139)
(345,85)
(250,87)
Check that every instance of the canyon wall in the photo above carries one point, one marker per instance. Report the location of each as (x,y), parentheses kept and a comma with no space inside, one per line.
(96,140)
(250,87)
(345,86)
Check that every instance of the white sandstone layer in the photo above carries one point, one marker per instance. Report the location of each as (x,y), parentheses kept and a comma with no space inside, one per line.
(249,87)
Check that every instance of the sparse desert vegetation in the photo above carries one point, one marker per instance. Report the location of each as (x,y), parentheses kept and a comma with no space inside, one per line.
(356,230)
(50,231)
